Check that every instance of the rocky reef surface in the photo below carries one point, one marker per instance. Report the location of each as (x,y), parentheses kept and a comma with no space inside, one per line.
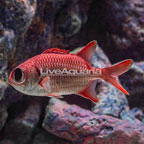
(28,27)
(83,126)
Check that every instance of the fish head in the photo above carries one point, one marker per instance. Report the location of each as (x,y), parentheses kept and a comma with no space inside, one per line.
(25,78)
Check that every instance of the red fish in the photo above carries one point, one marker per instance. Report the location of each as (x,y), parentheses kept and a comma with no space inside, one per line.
(57,72)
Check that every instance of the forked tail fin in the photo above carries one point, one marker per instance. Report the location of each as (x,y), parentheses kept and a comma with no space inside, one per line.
(110,74)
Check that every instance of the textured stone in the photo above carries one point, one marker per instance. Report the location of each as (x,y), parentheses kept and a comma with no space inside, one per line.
(42,137)
(137,113)
(56,24)
(129,117)
(5,141)
(84,127)
(125,24)
(118,27)
(15,18)
(134,81)
(11,97)
(22,124)
(17,14)
(3,116)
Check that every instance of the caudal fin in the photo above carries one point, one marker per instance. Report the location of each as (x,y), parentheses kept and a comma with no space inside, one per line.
(110,74)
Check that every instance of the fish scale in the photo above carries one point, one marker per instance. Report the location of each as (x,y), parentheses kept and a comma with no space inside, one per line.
(56,62)
(68,83)
(28,79)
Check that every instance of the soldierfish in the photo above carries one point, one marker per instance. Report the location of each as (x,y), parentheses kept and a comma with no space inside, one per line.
(66,74)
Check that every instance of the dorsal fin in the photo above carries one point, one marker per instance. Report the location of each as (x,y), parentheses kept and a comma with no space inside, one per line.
(56,50)
(88,51)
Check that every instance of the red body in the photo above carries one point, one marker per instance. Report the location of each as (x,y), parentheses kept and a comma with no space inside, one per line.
(66,74)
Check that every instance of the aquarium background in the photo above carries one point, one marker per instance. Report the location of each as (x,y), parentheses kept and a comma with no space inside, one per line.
(28,27)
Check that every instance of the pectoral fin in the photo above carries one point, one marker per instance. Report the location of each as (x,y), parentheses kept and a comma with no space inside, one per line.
(45,84)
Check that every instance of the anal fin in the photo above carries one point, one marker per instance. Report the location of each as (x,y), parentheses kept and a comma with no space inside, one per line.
(89,92)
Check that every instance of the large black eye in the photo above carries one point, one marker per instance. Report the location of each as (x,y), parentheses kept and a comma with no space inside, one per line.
(18,75)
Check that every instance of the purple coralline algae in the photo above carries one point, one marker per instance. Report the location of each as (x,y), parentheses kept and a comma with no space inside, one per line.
(83,126)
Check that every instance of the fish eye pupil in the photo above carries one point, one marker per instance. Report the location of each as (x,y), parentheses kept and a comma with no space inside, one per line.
(18,74)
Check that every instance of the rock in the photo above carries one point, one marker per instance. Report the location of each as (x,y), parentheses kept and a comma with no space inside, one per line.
(84,127)
(16,17)
(42,137)
(118,27)
(137,113)
(21,125)
(111,101)
(5,141)
(125,25)
(3,116)
(11,96)
(134,81)
(129,117)
(56,24)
